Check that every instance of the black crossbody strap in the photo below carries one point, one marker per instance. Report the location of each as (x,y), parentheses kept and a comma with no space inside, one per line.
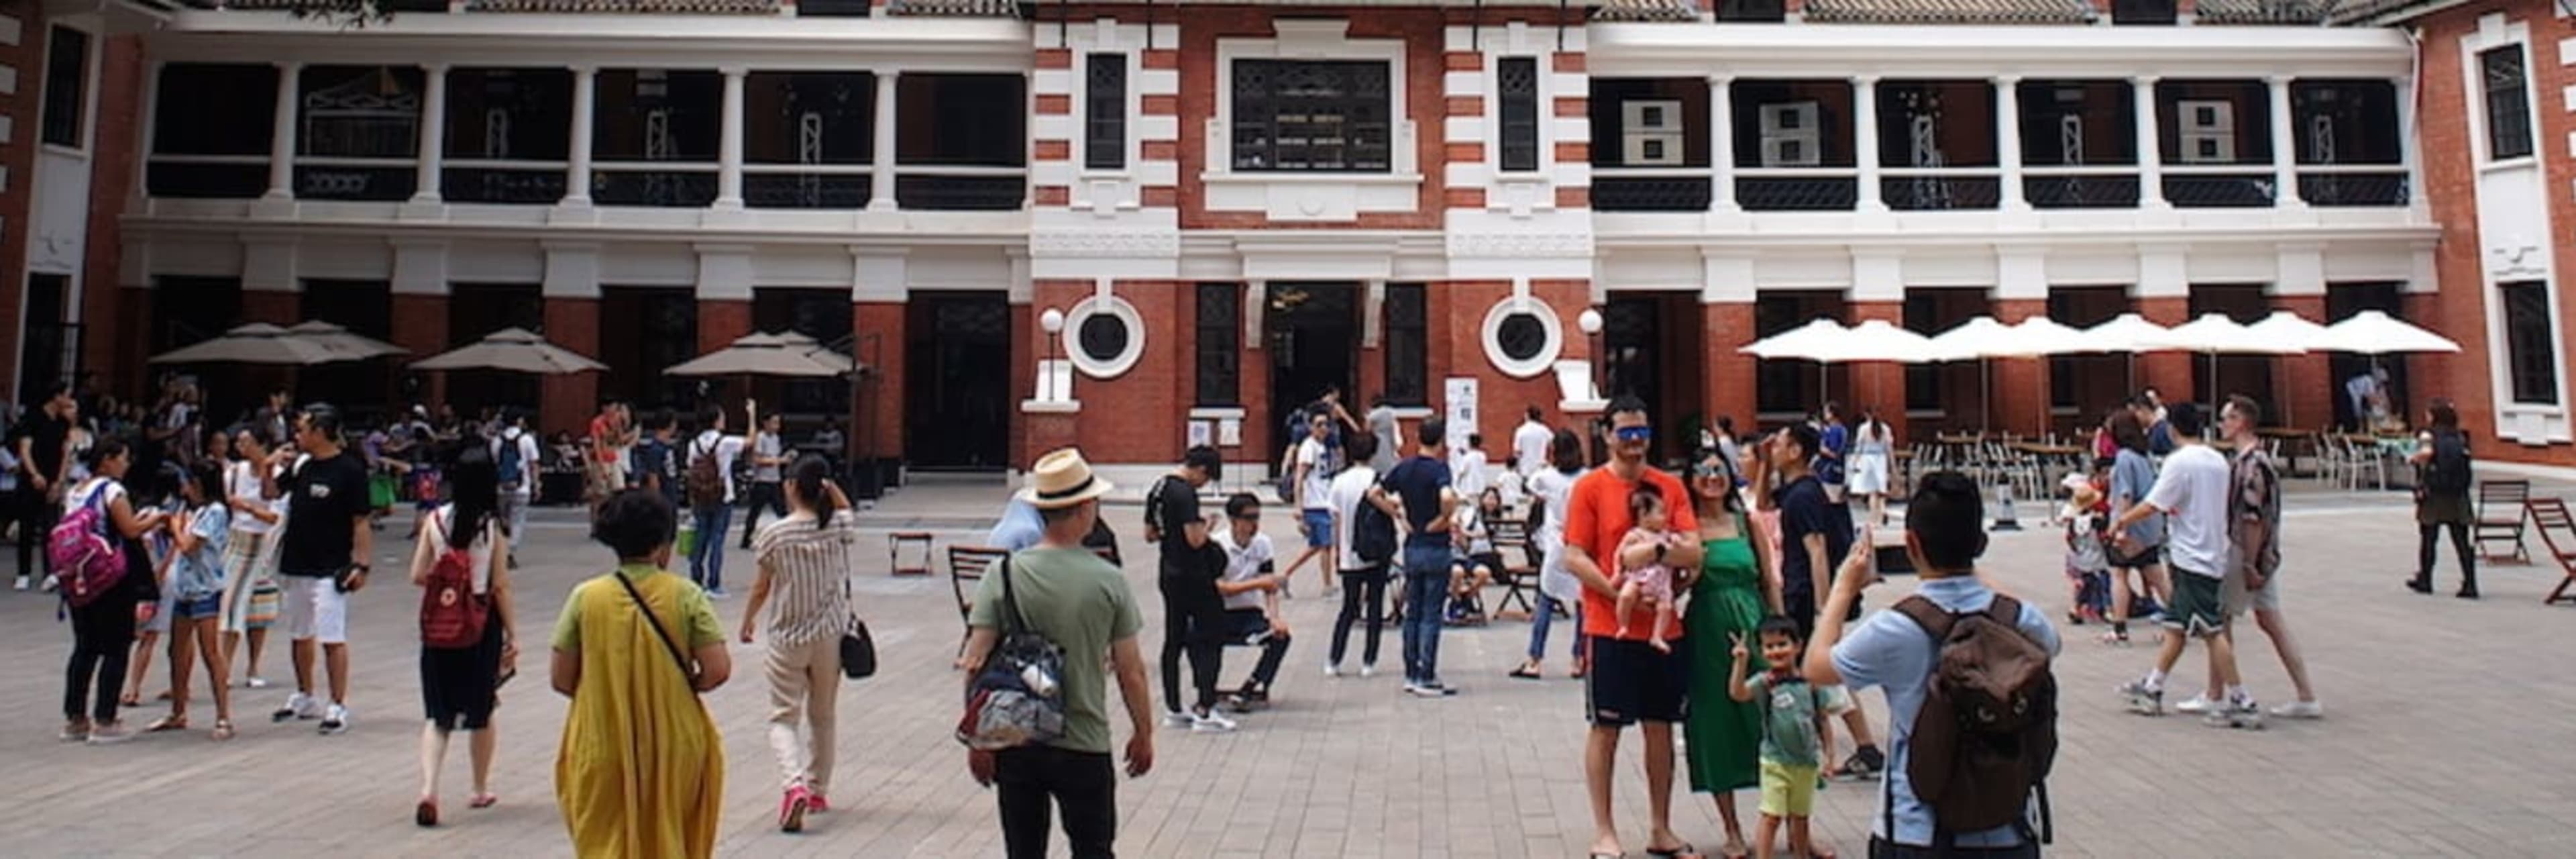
(678,660)
(1014,622)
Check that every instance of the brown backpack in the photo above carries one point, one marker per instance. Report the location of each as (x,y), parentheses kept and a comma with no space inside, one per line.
(1987,734)
(705,482)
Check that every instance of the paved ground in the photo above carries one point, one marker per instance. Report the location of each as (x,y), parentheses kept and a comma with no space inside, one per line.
(2448,735)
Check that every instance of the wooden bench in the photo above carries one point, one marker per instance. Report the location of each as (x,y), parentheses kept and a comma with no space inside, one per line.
(2503,510)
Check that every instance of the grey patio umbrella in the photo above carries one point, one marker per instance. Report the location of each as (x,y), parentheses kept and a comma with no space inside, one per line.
(357,347)
(512,350)
(256,343)
(788,355)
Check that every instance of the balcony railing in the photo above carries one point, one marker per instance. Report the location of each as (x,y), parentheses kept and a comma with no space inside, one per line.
(2243,187)
(365,179)
(1798,190)
(805,186)
(206,177)
(2105,187)
(961,189)
(1650,190)
(1914,190)
(509,182)
(670,186)
(2354,185)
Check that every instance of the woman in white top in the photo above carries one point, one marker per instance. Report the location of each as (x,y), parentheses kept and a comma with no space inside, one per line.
(459,686)
(250,554)
(804,581)
(1873,447)
(1549,490)
(103,629)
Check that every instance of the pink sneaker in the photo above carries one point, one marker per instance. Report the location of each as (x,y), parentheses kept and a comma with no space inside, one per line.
(814,803)
(792,809)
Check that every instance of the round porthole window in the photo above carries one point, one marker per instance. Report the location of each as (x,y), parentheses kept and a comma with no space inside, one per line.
(1522,336)
(1104,336)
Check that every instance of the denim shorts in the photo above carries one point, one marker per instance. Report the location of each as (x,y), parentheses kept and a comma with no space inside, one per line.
(1319,528)
(209,607)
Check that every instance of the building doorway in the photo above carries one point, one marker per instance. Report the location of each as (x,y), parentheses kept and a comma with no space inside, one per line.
(957,381)
(1646,354)
(47,345)
(1311,331)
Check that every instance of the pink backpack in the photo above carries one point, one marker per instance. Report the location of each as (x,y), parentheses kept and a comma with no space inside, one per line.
(87,565)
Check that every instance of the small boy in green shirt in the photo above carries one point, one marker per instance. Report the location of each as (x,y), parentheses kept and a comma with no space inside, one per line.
(1791,721)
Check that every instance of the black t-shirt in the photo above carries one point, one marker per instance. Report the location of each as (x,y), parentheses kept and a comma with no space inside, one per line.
(1417,482)
(1185,574)
(45,434)
(653,457)
(1805,510)
(325,497)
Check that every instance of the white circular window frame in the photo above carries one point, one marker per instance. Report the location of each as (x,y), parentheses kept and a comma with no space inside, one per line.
(1547,321)
(1111,306)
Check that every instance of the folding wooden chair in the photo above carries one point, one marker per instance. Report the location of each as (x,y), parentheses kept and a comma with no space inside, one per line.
(966,566)
(897,542)
(2501,516)
(2549,516)
(1519,580)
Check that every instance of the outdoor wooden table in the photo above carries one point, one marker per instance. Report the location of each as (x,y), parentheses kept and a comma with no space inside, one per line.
(2038,449)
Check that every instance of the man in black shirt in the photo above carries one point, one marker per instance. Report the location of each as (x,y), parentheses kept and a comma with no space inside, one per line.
(41,444)
(1418,489)
(1187,574)
(322,560)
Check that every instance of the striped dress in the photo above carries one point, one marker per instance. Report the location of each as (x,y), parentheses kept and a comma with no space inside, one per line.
(809,596)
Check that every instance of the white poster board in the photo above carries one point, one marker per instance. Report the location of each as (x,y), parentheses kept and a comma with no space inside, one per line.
(1460,400)
(1202,434)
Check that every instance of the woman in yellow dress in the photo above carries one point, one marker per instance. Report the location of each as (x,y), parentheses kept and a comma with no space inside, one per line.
(641,769)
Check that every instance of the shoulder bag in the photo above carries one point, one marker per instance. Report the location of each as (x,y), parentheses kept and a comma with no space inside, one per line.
(1017,699)
(678,659)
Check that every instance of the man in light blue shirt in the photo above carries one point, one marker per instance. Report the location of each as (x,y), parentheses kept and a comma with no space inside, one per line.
(1019,529)
(1943,535)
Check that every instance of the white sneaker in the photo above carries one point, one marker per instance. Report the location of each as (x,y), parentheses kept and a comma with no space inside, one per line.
(2299,710)
(1177,718)
(298,706)
(719,594)
(22,583)
(257,682)
(1212,723)
(1368,671)
(47,584)
(336,721)
(1332,670)
(2197,703)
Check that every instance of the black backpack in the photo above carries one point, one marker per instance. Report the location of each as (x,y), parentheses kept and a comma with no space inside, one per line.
(1372,534)
(2448,473)
(1987,733)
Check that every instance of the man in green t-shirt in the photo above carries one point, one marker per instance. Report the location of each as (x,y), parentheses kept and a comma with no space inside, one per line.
(1078,601)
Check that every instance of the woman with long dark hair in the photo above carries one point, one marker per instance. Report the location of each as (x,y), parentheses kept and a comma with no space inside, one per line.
(194,591)
(804,581)
(1729,600)
(459,686)
(2132,474)
(103,629)
(250,555)
(2442,498)
(1549,489)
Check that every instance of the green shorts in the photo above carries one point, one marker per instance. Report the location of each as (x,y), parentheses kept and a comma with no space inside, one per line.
(2198,609)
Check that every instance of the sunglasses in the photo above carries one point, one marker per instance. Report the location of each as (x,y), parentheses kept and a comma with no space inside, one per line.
(1633,434)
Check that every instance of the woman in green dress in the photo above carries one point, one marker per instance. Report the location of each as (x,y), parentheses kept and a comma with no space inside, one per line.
(1729,600)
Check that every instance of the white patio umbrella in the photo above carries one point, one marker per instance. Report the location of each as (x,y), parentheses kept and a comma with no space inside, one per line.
(2289,328)
(1827,342)
(2213,334)
(255,343)
(2374,333)
(2040,336)
(514,350)
(1796,342)
(1976,340)
(2124,334)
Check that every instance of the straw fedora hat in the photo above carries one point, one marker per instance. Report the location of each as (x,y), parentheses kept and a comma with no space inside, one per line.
(1062,479)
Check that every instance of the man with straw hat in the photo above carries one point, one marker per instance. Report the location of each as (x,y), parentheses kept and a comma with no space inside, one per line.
(1079,602)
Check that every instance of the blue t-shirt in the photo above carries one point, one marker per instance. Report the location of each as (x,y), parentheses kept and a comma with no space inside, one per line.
(1020,528)
(1835,439)
(2132,475)
(200,574)
(1890,651)
(1804,510)
(1417,481)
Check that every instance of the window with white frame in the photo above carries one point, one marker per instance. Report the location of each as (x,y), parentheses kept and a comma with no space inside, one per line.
(2508,102)
(1516,91)
(66,86)
(1104,111)
(1313,115)
(2531,359)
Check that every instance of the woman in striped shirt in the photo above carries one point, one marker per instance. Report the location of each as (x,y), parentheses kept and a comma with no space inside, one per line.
(805,565)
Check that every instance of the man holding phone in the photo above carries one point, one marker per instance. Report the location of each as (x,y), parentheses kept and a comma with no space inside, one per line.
(323,559)
(1814,529)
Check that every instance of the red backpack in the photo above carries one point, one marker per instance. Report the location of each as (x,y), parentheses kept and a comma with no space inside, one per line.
(451,614)
(87,564)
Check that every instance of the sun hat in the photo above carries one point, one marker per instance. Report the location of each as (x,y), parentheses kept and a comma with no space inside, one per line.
(1062,479)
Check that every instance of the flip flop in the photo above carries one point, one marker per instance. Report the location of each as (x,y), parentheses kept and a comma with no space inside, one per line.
(1525,672)
(167,723)
(223,730)
(1676,853)
(482,800)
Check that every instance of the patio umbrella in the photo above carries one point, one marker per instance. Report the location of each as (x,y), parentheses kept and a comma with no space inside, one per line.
(1825,342)
(2123,334)
(790,355)
(2374,333)
(2213,334)
(513,350)
(255,343)
(358,347)
(2286,327)
(1977,340)
(2041,337)
(1796,342)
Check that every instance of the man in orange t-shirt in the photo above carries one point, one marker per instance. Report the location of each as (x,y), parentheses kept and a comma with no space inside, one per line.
(1629,682)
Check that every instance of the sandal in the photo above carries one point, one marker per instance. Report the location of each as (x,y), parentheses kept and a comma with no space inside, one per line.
(129,700)
(167,723)
(1676,852)
(223,730)
(1734,848)
(426,813)
(483,800)
(1527,671)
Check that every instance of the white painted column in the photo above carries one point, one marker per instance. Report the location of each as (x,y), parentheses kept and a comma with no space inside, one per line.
(1865,140)
(2285,147)
(881,159)
(729,143)
(138,197)
(281,136)
(433,135)
(2409,144)
(2008,140)
(2151,156)
(1721,144)
(585,112)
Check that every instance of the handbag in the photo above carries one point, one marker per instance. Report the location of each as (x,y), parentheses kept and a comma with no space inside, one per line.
(1016,700)
(678,659)
(858,648)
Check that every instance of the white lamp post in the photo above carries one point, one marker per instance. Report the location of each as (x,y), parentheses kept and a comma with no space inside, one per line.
(1053,322)
(1590,322)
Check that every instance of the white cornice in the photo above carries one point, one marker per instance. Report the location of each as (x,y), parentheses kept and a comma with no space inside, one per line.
(1841,51)
(783,44)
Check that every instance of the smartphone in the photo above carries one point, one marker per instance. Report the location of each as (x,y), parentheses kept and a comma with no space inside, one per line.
(507,674)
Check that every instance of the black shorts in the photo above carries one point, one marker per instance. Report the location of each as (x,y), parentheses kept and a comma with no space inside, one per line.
(1631,681)
(2146,557)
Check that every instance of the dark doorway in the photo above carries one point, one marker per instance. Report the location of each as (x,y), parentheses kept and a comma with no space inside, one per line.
(2083,389)
(1650,343)
(642,332)
(957,381)
(823,314)
(1311,331)
(47,347)
(359,388)
(2250,375)
(191,310)
(475,311)
(2342,301)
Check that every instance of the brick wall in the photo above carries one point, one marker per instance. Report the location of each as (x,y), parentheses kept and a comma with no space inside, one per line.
(882,399)
(113,338)
(1879,383)
(2021,384)
(572,323)
(1421,31)
(2302,383)
(24,55)
(2168,372)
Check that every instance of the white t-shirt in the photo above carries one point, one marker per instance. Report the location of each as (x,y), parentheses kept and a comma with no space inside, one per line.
(436,531)
(725,448)
(1530,443)
(241,483)
(1552,488)
(1244,563)
(1349,488)
(1317,460)
(527,444)
(1467,475)
(2192,490)
(106,490)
